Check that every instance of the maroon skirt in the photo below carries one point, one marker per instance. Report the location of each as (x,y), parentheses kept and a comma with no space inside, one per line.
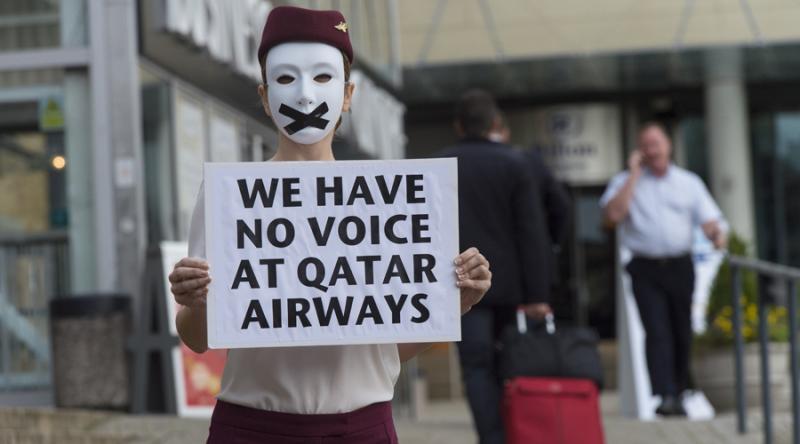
(236,424)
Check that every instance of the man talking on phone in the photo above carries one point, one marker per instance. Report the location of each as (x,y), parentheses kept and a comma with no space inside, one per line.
(657,206)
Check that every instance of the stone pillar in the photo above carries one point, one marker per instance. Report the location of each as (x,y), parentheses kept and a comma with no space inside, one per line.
(119,221)
(728,132)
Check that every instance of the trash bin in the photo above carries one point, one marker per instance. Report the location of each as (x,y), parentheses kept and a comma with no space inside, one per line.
(90,360)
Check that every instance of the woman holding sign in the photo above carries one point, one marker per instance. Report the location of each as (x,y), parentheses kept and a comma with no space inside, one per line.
(299,394)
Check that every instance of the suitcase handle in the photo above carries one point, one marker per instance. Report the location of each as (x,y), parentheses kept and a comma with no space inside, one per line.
(550,323)
(522,322)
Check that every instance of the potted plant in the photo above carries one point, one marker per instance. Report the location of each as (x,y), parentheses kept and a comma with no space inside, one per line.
(713,364)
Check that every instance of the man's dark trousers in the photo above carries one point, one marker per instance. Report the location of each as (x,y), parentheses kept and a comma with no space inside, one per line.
(481,328)
(663,291)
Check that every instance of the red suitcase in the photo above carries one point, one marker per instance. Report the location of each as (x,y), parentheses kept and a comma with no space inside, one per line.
(552,411)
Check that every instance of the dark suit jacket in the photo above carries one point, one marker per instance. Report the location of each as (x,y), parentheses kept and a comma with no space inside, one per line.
(555,201)
(500,213)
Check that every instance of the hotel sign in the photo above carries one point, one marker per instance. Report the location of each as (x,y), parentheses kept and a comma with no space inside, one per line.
(582,144)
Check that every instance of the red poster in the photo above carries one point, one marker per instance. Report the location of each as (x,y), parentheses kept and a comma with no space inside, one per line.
(198,377)
(202,376)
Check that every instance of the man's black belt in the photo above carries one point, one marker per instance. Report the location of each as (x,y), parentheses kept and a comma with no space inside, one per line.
(665,260)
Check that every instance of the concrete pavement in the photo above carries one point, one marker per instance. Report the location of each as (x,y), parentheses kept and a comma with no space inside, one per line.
(442,423)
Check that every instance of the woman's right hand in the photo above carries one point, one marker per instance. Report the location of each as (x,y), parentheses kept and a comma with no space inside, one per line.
(190,279)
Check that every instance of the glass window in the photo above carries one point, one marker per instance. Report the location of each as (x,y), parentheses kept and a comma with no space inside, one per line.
(692,131)
(787,152)
(28,24)
(762,156)
(32,171)
(34,252)
(776,177)
(156,141)
(34,24)
(181,128)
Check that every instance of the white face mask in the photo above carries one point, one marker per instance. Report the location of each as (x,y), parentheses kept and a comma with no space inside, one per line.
(305,89)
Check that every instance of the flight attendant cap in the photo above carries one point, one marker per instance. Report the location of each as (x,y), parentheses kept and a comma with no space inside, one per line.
(293,24)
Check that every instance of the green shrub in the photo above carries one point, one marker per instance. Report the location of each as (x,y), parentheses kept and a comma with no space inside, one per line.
(719,314)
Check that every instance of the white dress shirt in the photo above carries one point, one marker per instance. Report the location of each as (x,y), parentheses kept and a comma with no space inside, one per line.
(664,211)
(307,380)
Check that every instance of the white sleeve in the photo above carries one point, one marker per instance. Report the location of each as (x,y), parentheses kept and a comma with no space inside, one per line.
(705,209)
(613,188)
(197,227)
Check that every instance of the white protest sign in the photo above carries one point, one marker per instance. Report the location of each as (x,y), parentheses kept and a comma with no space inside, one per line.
(332,253)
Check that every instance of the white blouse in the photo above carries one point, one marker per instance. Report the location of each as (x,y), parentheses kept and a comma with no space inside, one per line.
(308,380)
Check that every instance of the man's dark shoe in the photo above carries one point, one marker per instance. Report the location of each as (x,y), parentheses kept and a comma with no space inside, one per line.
(671,406)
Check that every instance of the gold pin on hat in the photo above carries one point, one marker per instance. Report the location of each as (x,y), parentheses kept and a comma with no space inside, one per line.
(342,26)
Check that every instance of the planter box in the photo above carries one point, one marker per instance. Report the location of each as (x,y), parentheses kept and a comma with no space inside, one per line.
(714,373)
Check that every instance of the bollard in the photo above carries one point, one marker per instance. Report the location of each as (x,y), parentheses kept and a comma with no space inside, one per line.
(90,361)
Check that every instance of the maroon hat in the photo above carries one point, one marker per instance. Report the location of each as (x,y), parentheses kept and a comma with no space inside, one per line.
(293,24)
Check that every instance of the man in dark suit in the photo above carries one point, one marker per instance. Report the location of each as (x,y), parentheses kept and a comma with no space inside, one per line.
(500,214)
(554,198)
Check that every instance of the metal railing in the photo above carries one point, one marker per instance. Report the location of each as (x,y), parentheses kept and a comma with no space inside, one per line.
(33,269)
(789,277)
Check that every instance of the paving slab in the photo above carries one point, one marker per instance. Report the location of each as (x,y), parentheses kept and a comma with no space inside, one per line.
(440,423)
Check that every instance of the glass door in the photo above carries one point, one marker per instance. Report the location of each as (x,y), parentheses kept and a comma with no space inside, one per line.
(776,177)
(585,284)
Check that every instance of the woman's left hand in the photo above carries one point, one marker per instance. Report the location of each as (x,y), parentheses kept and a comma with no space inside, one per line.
(473,277)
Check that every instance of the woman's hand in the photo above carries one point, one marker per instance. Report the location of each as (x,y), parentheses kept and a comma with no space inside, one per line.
(474,277)
(190,279)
